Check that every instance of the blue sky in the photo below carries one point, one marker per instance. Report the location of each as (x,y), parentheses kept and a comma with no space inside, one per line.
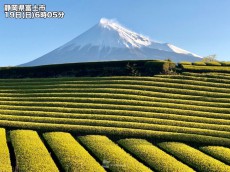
(199,26)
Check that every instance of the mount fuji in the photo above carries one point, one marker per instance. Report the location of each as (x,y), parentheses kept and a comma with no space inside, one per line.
(109,41)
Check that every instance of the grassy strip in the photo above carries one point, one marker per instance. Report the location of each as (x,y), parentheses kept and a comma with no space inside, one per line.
(86,129)
(128,125)
(209,75)
(119,93)
(98,80)
(198,64)
(135,84)
(199,77)
(194,158)
(202,81)
(5,165)
(111,155)
(153,156)
(225,63)
(218,152)
(154,81)
(109,97)
(47,81)
(193,68)
(118,115)
(106,109)
(160,92)
(31,154)
(137,89)
(68,79)
(115,113)
(129,116)
(107,102)
(72,156)
(213,63)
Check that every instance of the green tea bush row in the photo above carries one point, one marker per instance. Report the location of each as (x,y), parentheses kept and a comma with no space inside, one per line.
(144,91)
(118,115)
(81,80)
(111,155)
(164,82)
(213,63)
(89,107)
(222,83)
(163,88)
(201,81)
(30,152)
(71,155)
(128,116)
(209,75)
(115,98)
(194,158)
(220,119)
(199,64)
(153,156)
(185,63)
(5,164)
(225,63)
(119,94)
(124,132)
(131,125)
(106,103)
(206,68)
(144,82)
(218,152)
(93,83)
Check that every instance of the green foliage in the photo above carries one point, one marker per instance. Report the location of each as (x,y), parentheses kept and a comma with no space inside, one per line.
(5,164)
(116,131)
(193,68)
(111,155)
(159,125)
(169,68)
(198,79)
(92,69)
(225,63)
(199,64)
(154,67)
(194,157)
(185,63)
(213,63)
(209,75)
(218,152)
(153,156)
(132,69)
(191,105)
(71,155)
(31,154)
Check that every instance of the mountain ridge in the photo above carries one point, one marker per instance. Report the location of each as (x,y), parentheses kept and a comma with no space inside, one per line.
(110,41)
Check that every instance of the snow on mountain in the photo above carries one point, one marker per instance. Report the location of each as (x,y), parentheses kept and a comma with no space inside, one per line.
(109,34)
(109,41)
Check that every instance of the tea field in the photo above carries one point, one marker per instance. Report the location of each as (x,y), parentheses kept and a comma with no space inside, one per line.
(160,123)
(60,151)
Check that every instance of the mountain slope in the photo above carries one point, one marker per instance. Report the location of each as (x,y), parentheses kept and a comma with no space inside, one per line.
(109,41)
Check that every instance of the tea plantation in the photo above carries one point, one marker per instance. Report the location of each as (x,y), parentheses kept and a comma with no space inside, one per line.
(126,123)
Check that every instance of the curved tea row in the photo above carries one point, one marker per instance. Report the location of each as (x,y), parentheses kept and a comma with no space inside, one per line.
(192,107)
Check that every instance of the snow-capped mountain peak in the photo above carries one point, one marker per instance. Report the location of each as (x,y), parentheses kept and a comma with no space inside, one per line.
(110,41)
(109,33)
(129,38)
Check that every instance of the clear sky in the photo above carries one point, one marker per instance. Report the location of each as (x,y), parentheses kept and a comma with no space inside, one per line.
(199,26)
